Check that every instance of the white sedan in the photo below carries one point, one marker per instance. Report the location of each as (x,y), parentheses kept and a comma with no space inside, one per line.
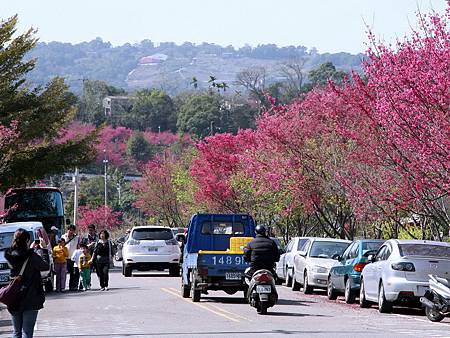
(398,273)
(313,262)
(286,262)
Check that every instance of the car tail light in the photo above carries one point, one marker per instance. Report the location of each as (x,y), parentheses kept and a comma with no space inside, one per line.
(403,266)
(172,241)
(359,267)
(263,277)
(133,242)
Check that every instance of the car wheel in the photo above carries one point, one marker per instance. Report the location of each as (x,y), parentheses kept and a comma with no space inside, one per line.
(384,306)
(127,271)
(185,290)
(295,286)
(288,281)
(195,294)
(433,315)
(349,294)
(331,292)
(49,283)
(307,289)
(174,270)
(363,302)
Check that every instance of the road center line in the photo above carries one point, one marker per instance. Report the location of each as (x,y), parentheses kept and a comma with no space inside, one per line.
(200,305)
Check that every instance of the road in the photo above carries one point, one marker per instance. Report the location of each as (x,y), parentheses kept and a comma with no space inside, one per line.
(149,304)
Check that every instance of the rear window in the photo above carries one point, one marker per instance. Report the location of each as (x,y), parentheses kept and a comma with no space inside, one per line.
(152,234)
(371,246)
(222,228)
(427,250)
(6,239)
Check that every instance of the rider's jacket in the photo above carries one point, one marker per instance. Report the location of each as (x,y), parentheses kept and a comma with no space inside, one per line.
(262,253)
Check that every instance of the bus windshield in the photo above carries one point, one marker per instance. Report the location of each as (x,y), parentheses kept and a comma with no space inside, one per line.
(32,203)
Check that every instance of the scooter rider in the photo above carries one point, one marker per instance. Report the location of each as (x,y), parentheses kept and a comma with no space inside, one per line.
(261,252)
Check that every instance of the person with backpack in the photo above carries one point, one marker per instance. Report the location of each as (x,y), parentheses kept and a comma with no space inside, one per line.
(24,311)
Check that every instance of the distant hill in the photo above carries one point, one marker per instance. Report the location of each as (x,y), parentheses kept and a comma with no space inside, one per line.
(167,65)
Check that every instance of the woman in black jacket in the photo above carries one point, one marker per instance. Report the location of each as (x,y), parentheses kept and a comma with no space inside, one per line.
(32,297)
(102,257)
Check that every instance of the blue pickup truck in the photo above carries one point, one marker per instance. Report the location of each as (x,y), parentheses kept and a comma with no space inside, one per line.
(209,261)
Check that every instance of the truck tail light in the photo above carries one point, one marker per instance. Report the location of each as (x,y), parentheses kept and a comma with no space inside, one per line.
(202,271)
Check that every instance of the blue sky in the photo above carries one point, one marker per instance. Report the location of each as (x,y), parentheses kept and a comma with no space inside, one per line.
(328,25)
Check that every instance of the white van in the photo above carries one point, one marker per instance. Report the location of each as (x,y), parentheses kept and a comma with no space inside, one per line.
(36,231)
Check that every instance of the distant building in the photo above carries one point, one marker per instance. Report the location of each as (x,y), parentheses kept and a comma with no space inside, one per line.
(111,103)
(153,59)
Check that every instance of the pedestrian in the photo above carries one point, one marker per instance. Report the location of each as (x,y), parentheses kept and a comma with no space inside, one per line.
(75,259)
(53,236)
(24,312)
(72,243)
(102,257)
(60,255)
(92,238)
(85,267)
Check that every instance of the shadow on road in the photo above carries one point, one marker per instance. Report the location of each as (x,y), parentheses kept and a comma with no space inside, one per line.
(158,274)
(292,314)
(294,302)
(224,300)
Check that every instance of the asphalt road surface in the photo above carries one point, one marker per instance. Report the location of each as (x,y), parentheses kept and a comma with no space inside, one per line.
(150,305)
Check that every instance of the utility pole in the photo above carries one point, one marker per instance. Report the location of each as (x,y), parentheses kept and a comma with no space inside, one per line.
(75,196)
(105,162)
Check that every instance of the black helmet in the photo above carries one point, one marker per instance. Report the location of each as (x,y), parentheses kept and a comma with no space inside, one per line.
(261,230)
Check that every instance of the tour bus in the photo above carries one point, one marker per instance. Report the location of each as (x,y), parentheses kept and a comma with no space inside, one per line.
(42,204)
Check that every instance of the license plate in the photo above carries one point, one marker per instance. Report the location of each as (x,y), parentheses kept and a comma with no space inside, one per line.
(233,275)
(153,249)
(421,290)
(263,289)
(4,278)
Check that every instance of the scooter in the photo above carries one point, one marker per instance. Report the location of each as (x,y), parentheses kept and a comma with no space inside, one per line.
(437,299)
(261,293)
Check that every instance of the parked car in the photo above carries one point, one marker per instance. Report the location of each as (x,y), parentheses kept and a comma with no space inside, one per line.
(313,262)
(398,272)
(37,233)
(286,263)
(151,248)
(345,276)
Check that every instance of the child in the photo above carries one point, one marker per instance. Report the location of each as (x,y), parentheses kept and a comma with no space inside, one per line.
(76,272)
(85,267)
(60,256)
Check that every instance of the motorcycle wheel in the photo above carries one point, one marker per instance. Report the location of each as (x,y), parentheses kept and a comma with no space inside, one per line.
(434,315)
(262,308)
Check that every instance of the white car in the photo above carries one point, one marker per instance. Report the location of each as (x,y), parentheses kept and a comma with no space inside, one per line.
(313,262)
(151,248)
(286,262)
(37,232)
(399,272)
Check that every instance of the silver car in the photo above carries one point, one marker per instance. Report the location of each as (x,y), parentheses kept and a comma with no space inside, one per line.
(286,263)
(398,273)
(313,262)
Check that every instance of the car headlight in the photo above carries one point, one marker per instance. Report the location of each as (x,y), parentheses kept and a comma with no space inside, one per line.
(319,269)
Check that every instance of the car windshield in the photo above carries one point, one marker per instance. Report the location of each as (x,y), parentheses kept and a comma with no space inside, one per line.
(152,234)
(34,203)
(371,246)
(6,239)
(323,249)
(427,250)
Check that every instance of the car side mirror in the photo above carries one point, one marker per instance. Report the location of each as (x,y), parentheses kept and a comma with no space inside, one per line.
(371,258)
(302,253)
(336,257)
(180,238)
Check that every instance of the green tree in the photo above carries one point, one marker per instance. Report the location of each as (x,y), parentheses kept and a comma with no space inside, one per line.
(139,149)
(152,110)
(325,72)
(40,113)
